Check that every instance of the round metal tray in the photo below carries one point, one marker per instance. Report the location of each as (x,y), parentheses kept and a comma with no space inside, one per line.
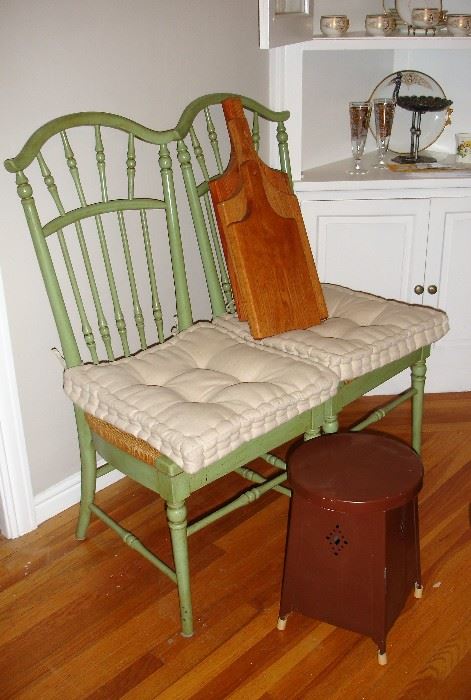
(433,123)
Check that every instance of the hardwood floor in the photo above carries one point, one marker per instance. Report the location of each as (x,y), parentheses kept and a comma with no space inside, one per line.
(93,620)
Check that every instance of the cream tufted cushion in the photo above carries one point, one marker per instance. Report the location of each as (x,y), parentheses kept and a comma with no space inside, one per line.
(199,395)
(363,332)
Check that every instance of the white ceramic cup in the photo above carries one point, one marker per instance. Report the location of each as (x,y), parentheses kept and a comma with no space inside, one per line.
(334,25)
(463,148)
(380,25)
(459,25)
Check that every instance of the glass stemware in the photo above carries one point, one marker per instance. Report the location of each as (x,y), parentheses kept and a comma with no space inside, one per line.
(359,121)
(384,114)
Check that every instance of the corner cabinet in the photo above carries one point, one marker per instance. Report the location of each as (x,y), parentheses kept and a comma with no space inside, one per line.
(413,248)
(403,236)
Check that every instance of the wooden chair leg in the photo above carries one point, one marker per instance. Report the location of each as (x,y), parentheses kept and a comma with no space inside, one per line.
(418,372)
(176,516)
(88,475)
(313,432)
(330,425)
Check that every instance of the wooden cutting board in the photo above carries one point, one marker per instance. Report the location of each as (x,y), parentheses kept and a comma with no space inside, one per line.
(269,260)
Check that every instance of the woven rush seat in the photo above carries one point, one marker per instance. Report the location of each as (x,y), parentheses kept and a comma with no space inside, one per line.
(363,332)
(137,448)
(199,395)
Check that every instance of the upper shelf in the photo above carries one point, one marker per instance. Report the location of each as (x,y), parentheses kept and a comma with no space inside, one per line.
(361,41)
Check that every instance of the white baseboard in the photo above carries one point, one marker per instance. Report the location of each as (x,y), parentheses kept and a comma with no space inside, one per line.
(66,493)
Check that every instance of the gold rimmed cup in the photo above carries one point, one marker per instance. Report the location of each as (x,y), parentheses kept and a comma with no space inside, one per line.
(380,25)
(426,18)
(459,25)
(334,25)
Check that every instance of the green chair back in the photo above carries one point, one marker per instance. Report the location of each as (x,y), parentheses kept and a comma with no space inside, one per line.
(100,197)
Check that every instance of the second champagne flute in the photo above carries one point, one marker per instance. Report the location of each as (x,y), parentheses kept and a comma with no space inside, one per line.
(384,114)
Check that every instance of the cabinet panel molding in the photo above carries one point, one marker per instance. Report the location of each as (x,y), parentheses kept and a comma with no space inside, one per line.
(377,246)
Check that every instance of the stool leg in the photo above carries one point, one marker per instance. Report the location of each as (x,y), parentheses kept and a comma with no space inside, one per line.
(382,658)
(418,588)
(281,624)
(382,655)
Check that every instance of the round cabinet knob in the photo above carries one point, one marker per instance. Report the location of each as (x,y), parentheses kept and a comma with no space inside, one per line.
(432,289)
(418,289)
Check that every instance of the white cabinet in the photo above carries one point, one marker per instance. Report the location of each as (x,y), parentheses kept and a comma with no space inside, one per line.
(375,245)
(416,250)
(448,267)
(284,22)
(387,233)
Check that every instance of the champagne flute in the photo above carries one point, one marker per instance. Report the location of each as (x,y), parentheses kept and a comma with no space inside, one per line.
(384,114)
(359,121)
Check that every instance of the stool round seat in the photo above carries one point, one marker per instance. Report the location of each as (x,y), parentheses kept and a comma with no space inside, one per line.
(356,472)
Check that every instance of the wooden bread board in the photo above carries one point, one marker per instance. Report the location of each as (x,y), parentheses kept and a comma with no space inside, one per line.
(269,260)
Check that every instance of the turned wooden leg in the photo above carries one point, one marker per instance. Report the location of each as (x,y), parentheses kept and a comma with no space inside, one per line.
(88,475)
(312,433)
(418,372)
(176,517)
(330,425)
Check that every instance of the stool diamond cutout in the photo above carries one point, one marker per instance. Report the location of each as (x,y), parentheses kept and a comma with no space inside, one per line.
(336,540)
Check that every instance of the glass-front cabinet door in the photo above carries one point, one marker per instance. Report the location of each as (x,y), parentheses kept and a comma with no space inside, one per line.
(284,22)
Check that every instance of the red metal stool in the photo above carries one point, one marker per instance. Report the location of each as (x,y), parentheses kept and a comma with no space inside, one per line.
(352,551)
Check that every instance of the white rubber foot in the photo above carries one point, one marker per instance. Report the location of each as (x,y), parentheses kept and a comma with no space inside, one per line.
(281,624)
(382,658)
(418,591)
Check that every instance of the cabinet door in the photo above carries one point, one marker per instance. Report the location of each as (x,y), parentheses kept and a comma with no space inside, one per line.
(449,270)
(284,22)
(377,246)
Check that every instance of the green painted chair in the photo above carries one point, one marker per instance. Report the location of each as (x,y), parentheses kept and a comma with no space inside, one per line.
(365,341)
(176,404)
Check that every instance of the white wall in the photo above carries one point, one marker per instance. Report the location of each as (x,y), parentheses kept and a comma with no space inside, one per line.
(145,59)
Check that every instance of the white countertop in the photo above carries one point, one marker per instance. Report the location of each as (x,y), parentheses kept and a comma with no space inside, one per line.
(334,176)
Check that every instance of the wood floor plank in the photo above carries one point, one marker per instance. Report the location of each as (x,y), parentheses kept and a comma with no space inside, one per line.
(271,669)
(93,620)
(191,683)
